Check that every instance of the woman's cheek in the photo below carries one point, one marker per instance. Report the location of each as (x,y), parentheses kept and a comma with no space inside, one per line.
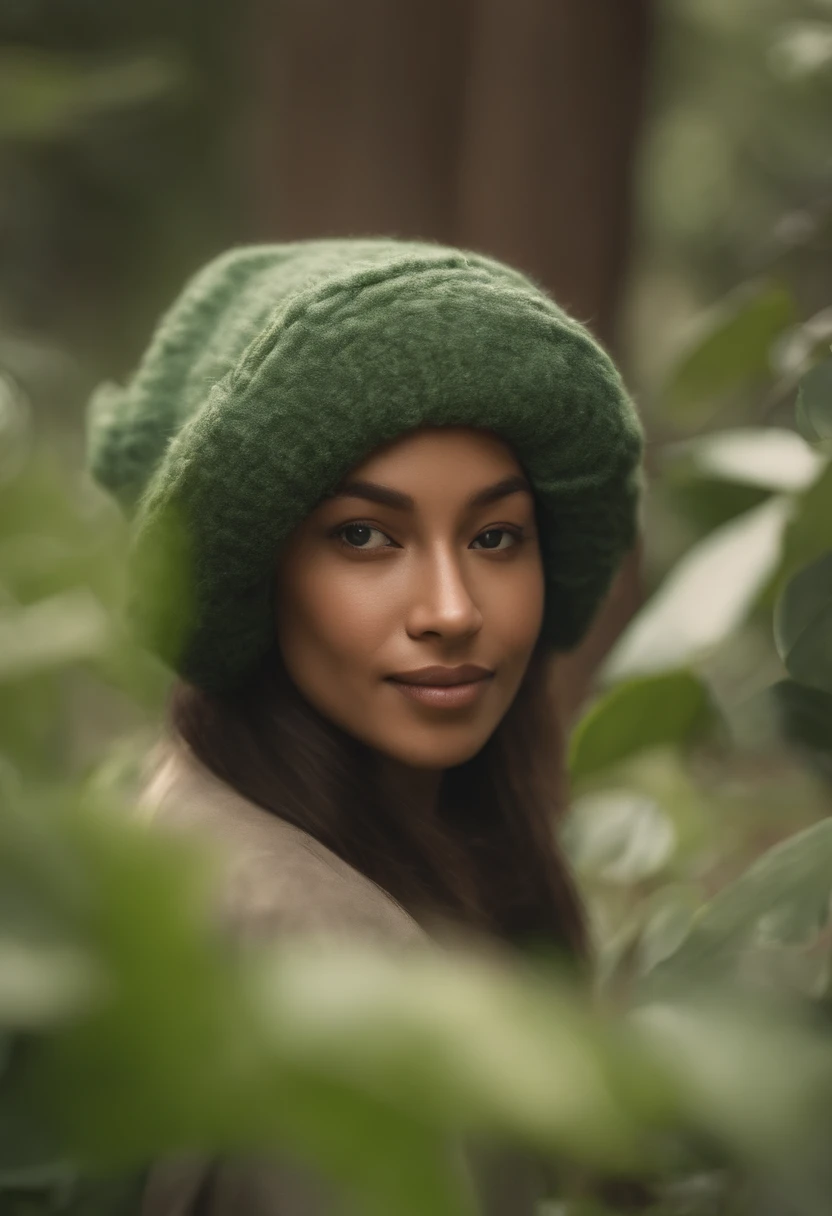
(350,617)
(518,607)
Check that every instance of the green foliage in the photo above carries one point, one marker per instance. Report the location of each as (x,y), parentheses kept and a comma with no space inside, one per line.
(808,532)
(803,48)
(51,633)
(803,625)
(814,405)
(707,596)
(45,96)
(770,457)
(731,347)
(803,717)
(782,899)
(705,851)
(639,713)
(619,837)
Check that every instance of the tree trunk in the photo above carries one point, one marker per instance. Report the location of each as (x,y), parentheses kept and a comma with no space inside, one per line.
(354,128)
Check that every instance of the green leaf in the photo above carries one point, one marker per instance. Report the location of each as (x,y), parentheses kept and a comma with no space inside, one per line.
(805,721)
(472,1043)
(618,836)
(66,628)
(670,917)
(814,406)
(808,533)
(731,349)
(30,1154)
(803,625)
(706,596)
(753,1078)
(801,347)
(794,879)
(801,49)
(47,96)
(701,504)
(42,984)
(793,712)
(763,456)
(15,428)
(643,712)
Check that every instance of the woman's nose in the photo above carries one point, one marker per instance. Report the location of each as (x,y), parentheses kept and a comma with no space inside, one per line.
(441,601)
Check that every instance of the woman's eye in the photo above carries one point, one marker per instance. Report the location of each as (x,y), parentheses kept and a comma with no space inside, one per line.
(494,537)
(356,536)
(367,538)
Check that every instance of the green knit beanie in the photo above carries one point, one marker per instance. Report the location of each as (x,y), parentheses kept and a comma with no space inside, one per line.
(282,366)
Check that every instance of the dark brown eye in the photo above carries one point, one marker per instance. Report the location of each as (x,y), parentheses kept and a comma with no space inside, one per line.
(493,538)
(356,536)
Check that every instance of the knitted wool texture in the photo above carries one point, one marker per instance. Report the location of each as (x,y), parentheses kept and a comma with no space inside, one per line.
(282,366)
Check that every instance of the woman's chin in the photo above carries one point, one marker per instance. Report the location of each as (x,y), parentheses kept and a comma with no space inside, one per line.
(439,755)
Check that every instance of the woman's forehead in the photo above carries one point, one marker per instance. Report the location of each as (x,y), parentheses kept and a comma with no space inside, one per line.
(466,452)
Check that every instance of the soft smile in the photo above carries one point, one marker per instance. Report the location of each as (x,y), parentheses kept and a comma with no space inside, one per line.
(444,687)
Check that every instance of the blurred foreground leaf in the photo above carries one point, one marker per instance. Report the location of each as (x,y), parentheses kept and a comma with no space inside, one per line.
(792,880)
(731,348)
(752,1076)
(802,716)
(802,49)
(814,406)
(803,625)
(808,533)
(670,915)
(640,713)
(45,95)
(619,836)
(41,984)
(765,456)
(469,1044)
(15,428)
(801,347)
(63,629)
(706,596)
(363,1065)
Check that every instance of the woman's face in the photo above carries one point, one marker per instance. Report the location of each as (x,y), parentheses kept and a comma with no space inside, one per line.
(426,557)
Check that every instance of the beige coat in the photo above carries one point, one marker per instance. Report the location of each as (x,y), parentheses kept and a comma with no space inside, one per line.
(280,879)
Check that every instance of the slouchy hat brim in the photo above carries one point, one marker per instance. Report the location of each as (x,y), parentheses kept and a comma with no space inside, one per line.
(280,367)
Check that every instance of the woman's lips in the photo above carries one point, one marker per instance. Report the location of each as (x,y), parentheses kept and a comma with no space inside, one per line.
(443,696)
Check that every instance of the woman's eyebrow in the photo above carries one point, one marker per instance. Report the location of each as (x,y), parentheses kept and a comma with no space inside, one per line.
(389,497)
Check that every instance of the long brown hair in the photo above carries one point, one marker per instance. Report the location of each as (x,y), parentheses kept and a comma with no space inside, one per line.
(488,861)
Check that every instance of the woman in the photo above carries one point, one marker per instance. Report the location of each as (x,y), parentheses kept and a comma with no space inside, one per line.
(375,485)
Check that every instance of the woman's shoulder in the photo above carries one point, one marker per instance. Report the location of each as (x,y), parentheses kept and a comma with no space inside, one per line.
(276,877)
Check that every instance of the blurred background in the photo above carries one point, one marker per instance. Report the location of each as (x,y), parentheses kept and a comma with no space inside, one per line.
(664,168)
